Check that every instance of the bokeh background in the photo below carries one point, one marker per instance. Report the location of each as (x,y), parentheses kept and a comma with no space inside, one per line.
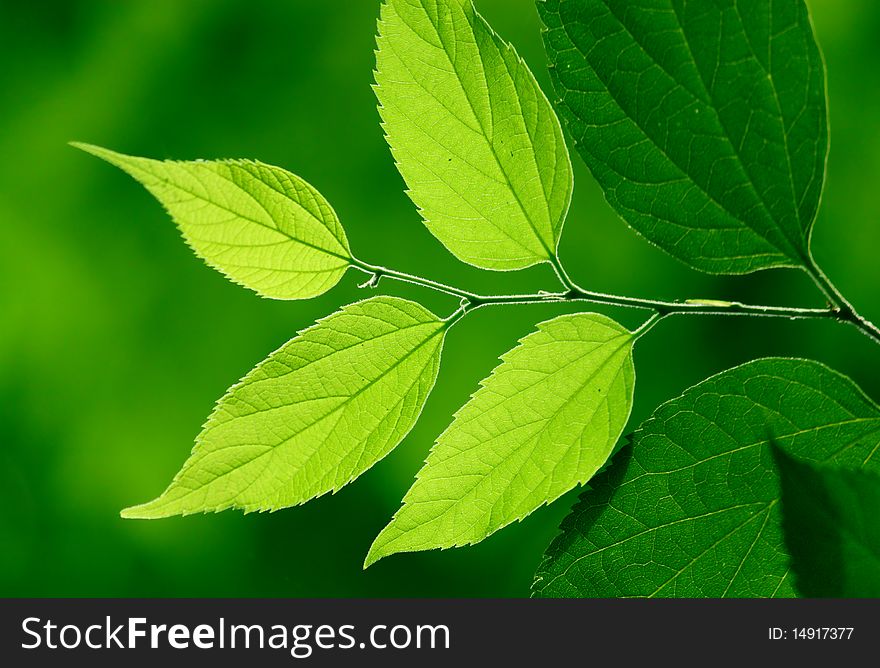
(115,341)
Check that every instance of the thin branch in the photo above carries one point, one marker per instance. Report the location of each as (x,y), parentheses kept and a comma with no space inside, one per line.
(561,274)
(839,311)
(648,325)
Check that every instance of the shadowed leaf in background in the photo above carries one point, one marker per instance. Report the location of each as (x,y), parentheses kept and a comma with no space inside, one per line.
(829,517)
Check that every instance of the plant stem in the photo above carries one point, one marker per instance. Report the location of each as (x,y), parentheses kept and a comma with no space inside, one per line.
(840,310)
(839,303)
(648,325)
(561,274)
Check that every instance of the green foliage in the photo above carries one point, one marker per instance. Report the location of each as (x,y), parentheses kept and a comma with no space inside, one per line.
(317,413)
(692,508)
(473,135)
(263,227)
(704,122)
(831,529)
(543,422)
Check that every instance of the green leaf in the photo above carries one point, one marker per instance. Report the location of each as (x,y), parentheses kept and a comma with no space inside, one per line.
(704,122)
(544,421)
(317,413)
(692,508)
(259,225)
(831,528)
(474,137)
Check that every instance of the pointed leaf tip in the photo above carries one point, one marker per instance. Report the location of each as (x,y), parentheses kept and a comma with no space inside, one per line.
(543,422)
(259,225)
(314,415)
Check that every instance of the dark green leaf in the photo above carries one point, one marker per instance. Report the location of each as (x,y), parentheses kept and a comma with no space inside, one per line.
(704,122)
(692,508)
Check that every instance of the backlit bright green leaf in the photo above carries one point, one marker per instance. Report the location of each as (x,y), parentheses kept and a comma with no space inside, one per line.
(474,137)
(692,509)
(261,226)
(830,520)
(704,122)
(316,414)
(544,421)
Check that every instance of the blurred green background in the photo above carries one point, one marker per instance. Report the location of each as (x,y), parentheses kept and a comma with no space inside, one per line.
(115,341)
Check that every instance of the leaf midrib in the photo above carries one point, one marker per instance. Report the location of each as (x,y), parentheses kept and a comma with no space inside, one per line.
(533,441)
(768,509)
(649,530)
(550,253)
(314,423)
(250,383)
(748,174)
(196,197)
(711,197)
